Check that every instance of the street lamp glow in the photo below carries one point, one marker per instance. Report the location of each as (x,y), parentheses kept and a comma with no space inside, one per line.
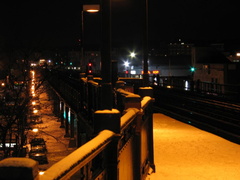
(126,64)
(91,8)
(35,130)
(41,172)
(132,54)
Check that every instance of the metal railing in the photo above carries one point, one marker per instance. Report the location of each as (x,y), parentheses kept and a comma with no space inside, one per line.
(120,136)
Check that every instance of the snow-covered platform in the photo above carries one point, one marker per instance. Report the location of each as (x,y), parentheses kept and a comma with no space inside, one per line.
(184,152)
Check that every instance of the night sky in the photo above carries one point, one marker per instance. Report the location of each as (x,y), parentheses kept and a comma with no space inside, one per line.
(58,23)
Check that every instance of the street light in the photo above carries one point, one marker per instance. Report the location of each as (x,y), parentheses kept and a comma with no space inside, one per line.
(89,8)
(132,54)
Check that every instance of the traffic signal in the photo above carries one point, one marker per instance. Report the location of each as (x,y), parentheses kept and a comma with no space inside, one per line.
(192,69)
(89,68)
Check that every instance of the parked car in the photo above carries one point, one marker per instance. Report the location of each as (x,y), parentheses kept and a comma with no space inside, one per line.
(38,142)
(39,153)
(35,119)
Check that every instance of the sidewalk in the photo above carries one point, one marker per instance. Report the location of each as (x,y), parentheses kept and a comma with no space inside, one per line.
(183,152)
(57,144)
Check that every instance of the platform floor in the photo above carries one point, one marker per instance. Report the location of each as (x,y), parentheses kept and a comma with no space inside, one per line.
(184,152)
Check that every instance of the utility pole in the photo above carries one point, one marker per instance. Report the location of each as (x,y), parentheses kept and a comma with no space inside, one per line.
(106,65)
(145,41)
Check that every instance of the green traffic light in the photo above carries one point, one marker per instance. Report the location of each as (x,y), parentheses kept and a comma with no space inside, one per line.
(192,69)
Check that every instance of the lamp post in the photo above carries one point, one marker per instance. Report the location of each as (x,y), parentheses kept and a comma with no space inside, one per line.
(89,8)
(145,42)
(106,65)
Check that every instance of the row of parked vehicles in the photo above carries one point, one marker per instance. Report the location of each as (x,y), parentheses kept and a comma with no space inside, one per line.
(38,149)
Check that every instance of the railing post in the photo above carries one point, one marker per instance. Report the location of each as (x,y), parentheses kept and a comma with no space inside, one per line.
(19,168)
(145,91)
(109,119)
(148,91)
(134,101)
(72,142)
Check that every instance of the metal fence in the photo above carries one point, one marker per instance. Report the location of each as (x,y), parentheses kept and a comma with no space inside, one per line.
(120,145)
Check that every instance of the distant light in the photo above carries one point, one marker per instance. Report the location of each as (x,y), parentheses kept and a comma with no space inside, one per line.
(148,72)
(132,54)
(35,130)
(41,172)
(133,72)
(192,69)
(92,10)
(237,54)
(126,64)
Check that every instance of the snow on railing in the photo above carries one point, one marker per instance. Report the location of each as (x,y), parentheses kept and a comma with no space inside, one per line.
(130,114)
(145,101)
(80,157)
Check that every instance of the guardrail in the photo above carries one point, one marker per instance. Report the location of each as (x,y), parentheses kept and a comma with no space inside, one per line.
(122,147)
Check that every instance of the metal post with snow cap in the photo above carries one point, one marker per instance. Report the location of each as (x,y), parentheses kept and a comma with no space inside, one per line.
(18,168)
(145,91)
(109,120)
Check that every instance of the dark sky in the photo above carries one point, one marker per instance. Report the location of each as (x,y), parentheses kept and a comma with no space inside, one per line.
(59,22)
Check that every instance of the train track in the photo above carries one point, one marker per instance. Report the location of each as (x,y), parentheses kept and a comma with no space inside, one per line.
(216,116)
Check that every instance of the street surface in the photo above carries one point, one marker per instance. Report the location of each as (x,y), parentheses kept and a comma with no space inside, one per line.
(50,131)
(183,152)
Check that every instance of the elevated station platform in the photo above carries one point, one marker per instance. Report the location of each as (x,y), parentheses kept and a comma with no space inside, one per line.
(184,152)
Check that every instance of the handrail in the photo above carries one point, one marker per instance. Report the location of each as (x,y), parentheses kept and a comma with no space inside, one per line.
(127,118)
(145,101)
(66,167)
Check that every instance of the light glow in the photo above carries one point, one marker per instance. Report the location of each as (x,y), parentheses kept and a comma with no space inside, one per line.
(126,64)
(35,130)
(132,54)
(92,10)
